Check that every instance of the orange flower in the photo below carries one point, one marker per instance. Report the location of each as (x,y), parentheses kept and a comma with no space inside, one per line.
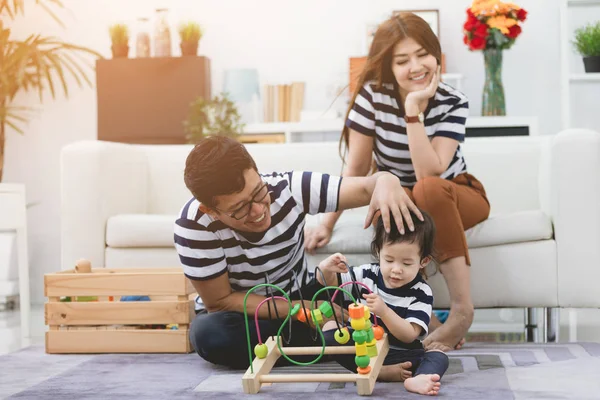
(490,8)
(501,23)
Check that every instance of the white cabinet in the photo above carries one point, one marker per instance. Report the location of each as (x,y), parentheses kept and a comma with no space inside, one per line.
(573,14)
(13,220)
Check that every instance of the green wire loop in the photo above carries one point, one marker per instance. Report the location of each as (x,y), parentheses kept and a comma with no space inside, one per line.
(286,320)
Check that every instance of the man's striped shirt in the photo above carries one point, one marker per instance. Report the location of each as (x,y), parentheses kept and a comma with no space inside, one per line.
(208,248)
(413,301)
(379,113)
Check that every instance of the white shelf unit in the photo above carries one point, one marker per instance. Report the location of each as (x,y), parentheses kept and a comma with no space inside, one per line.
(13,218)
(566,48)
(292,129)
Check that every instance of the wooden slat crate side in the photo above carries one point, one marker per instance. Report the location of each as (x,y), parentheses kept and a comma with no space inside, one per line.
(115,284)
(117,341)
(141,270)
(116,312)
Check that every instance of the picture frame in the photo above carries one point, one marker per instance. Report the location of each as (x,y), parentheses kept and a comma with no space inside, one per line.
(431,16)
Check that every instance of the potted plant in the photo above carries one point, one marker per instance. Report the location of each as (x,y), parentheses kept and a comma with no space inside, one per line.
(119,37)
(211,117)
(587,43)
(190,34)
(39,64)
(493,26)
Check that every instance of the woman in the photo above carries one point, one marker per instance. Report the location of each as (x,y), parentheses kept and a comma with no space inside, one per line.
(412,124)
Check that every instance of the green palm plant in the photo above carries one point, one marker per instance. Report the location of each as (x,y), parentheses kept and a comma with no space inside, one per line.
(38,63)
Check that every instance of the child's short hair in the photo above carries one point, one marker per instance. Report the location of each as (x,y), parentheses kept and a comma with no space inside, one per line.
(423,235)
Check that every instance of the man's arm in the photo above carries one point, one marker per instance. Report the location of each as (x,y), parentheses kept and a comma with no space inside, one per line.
(217,295)
(382,192)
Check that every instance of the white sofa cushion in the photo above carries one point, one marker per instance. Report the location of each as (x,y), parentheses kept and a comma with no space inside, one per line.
(518,227)
(140,230)
(137,230)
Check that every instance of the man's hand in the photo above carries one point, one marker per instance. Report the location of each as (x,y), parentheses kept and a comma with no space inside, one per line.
(316,237)
(376,304)
(389,197)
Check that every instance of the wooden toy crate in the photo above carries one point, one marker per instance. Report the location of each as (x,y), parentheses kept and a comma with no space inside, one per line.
(108,325)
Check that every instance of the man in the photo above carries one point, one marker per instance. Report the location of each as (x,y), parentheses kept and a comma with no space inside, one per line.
(242,228)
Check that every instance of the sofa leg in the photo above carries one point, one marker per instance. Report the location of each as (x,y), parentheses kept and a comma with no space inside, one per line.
(531,325)
(552,324)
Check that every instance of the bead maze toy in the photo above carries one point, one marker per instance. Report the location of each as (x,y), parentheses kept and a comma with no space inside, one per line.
(370,349)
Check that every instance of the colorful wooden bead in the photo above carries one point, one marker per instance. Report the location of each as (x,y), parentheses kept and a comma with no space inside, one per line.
(295,309)
(370,334)
(361,349)
(326,309)
(261,350)
(367,313)
(358,324)
(362,361)
(363,371)
(356,311)
(367,324)
(378,332)
(359,336)
(303,314)
(372,351)
(342,336)
(317,316)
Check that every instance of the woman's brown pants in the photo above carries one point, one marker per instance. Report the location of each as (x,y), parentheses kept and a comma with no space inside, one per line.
(455,206)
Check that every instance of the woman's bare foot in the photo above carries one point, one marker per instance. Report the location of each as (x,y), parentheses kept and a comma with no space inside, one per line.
(428,384)
(437,341)
(395,373)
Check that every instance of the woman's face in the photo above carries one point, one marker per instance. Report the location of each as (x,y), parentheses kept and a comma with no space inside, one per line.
(412,66)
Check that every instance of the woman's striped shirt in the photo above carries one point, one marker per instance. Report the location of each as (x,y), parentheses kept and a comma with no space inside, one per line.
(379,113)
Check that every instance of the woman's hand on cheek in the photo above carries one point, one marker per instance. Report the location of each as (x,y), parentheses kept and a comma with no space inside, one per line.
(413,99)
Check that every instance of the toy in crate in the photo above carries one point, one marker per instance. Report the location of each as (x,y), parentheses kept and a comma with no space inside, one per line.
(100,310)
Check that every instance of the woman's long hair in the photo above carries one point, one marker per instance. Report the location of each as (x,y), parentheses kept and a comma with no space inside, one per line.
(378,67)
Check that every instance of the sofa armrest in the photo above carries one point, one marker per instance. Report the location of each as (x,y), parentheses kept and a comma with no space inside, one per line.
(574,204)
(98,179)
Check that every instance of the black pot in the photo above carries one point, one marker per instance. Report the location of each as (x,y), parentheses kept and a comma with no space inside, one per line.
(189,48)
(591,64)
(120,51)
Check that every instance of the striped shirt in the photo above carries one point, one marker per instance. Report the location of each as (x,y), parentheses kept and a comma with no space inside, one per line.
(208,248)
(413,301)
(380,114)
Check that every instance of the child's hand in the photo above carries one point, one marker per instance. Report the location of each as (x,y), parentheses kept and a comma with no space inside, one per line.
(376,304)
(334,263)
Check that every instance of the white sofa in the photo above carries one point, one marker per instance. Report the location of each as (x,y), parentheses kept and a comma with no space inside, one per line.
(539,248)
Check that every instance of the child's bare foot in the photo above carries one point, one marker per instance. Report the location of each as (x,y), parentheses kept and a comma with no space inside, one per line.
(395,373)
(428,384)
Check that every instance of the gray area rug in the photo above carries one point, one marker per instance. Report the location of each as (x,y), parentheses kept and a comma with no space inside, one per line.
(479,371)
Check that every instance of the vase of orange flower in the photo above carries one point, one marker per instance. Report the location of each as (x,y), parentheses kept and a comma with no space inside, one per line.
(492,26)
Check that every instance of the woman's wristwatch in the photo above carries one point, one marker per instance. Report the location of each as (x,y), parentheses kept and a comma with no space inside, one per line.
(410,120)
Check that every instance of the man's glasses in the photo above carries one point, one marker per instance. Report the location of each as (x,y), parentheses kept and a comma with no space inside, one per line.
(244,210)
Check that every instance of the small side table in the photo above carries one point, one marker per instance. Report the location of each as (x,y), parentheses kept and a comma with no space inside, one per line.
(13,217)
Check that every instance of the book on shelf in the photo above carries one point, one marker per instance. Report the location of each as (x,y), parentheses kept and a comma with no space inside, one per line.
(283,102)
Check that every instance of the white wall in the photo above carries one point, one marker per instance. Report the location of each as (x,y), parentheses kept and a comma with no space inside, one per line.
(309,41)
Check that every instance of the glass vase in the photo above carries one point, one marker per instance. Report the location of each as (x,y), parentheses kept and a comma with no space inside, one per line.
(142,39)
(162,34)
(493,92)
